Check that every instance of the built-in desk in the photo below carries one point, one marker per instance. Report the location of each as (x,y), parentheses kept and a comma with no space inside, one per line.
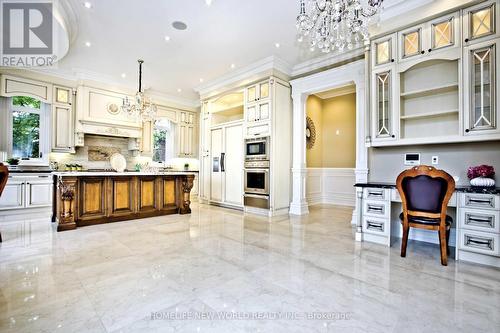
(475,231)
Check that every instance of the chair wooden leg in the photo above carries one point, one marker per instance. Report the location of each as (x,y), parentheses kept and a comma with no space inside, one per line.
(404,242)
(443,247)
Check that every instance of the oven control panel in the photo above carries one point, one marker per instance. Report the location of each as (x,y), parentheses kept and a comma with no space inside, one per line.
(257,164)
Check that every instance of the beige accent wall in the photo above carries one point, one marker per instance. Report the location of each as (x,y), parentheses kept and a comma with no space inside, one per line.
(335,122)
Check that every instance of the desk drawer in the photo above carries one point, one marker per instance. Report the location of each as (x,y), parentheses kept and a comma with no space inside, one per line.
(481,220)
(479,242)
(376,194)
(377,208)
(376,225)
(481,201)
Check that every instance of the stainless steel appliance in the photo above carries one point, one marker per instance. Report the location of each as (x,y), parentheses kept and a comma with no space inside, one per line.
(256,184)
(257,149)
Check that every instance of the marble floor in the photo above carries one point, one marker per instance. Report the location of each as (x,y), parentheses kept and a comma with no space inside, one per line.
(220,271)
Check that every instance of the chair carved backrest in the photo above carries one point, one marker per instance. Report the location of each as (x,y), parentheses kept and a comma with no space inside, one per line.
(4,176)
(425,192)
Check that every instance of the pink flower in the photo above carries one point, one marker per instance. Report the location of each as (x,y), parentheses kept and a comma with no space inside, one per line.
(485,171)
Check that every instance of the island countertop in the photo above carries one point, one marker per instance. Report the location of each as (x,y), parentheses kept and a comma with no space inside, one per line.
(125,173)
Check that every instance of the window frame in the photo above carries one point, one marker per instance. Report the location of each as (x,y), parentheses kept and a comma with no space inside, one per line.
(44,144)
(169,144)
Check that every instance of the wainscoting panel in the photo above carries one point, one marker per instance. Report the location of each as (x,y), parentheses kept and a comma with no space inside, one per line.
(331,186)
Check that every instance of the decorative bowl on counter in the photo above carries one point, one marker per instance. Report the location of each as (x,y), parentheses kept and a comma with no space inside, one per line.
(118,162)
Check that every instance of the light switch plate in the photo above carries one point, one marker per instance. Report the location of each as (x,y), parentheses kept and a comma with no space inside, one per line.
(435,160)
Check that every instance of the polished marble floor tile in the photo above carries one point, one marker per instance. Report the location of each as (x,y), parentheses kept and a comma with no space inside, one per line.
(218,270)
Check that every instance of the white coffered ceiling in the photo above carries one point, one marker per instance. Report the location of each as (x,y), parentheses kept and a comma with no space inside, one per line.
(238,32)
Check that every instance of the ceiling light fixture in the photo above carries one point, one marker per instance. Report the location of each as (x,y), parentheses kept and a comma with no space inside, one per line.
(87,5)
(201,80)
(88,44)
(179,25)
(124,75)
(167,38)
(143,108)
(233,66)
(277,45)
(336,24)
(208,2)
(179,90)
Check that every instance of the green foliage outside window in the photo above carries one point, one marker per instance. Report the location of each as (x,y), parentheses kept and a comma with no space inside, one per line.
(26,101)
(26,128)
(159,143)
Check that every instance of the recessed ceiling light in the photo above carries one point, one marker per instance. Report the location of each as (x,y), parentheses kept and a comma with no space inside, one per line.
(208,2)
(233,66)
(167,38)
(201,80)
(87,5)
(179,90)
(124,75)
(179,25)
(88,44)
(277,45)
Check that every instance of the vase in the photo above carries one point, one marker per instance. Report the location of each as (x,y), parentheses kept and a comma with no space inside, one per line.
(482,182)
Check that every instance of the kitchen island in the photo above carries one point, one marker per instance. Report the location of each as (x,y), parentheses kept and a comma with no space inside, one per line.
(87,198)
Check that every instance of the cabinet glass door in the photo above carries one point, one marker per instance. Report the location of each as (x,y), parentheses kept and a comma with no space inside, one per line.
(482,22)
(483,88)
(263,111)
(442,34)
(383,52)
(411,43)
(251,94)
(252,113)
(264,90)
(383,105)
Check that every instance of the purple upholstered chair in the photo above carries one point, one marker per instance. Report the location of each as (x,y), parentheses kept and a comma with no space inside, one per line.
(425,192)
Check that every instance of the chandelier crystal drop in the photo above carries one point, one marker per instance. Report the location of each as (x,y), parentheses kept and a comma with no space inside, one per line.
(335,24)
(143,107)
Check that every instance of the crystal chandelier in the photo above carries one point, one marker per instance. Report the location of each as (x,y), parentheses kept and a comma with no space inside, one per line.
(143,107)
(335,24)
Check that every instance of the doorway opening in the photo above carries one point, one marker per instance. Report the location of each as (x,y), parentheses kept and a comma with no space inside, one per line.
(331,146)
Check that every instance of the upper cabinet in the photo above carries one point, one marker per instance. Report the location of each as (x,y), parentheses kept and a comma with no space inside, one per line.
(187,137)
(480,22)
(63,120)
(257,92)
(384,51)
(442,85)
(482,93)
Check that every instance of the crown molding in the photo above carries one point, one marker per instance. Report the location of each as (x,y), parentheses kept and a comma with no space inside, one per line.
(268,66)
(341,91)
(326,60)
(82,76)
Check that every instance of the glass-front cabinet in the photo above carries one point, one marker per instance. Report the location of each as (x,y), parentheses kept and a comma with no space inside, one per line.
(481,65)
(480,22)
(383,51)
(258,92)
(384,105)
(444,33)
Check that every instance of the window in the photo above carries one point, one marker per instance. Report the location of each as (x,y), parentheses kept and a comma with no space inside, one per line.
(163,140)
(25,124)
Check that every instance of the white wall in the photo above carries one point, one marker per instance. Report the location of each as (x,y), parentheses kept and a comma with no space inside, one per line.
(331,186)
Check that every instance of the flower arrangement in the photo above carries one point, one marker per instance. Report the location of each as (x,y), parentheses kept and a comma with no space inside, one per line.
(485,171)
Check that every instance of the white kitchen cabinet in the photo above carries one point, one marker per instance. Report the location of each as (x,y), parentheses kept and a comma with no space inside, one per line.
(260,111)
(258,92)
(39,192)
(384,51)
(27,191)
(62,120)
(147,138)
(13,195)
(480,22)
(186,117)
(384,104)
(187,138)
(205,162)
(482,94)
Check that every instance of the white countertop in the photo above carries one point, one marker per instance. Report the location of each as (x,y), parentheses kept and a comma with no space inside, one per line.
(89,174)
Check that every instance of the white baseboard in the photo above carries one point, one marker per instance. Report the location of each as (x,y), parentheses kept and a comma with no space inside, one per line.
(331,186)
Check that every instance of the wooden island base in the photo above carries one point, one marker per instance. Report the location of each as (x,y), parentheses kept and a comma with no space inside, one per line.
(85,199)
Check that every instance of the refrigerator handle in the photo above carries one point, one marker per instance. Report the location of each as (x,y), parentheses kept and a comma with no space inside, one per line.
(223,162)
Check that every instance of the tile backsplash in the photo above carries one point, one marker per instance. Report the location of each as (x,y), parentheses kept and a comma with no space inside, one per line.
(106,145)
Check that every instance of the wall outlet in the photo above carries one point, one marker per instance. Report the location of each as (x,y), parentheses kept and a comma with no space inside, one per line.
(435,160)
